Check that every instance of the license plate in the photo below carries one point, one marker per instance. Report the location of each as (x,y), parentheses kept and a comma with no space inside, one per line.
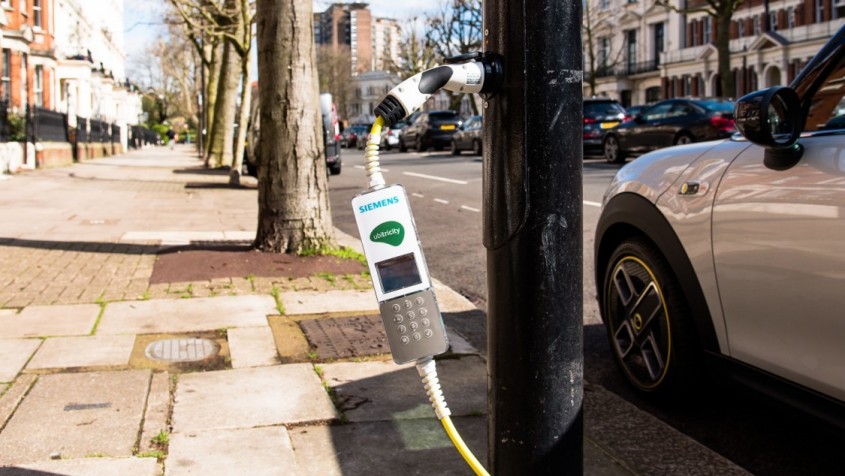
(608,125)
(447,127)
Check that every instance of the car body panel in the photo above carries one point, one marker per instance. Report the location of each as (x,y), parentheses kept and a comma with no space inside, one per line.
(468,133)
(432,129)
(780,261)
(600,115)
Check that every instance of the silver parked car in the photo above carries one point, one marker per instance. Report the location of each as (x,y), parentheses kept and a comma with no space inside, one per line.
(730,255)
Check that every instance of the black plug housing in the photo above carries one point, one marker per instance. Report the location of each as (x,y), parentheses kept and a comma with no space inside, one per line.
(391,110)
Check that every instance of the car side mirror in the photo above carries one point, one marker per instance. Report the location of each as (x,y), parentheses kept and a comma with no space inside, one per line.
(772,118)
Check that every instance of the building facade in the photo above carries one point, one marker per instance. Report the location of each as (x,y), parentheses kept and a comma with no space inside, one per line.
(371,41)
(638,52)
(28,61)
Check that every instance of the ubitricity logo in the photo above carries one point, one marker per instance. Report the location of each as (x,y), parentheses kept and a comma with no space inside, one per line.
(389,232)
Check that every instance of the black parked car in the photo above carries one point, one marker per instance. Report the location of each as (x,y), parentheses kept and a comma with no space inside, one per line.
(468,137)
(599,116)
(430,129)
(670,122)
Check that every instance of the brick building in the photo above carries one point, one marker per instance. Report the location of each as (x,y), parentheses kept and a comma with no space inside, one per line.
(371,40)
(28,59)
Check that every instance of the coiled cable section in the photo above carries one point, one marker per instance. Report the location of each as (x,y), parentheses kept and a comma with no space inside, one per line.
(375,179)
(428,372)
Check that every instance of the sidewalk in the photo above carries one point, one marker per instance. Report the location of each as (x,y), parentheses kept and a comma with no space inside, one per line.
(102,372)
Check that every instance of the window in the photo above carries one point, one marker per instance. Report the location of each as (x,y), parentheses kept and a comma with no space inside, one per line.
(819,11)
(693,40)
(632,48)
(838,9)
(36,13)
(707,30)
(39,86)
(790,17)
(773,21)
(741,27)
(6,79)
(756,25)
(604,51)
(660,111)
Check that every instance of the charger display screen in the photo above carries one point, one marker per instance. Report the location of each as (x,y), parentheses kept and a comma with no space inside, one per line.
(397,273)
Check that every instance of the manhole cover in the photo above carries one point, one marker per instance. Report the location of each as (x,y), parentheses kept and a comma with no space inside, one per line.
(346,337)
(181,350)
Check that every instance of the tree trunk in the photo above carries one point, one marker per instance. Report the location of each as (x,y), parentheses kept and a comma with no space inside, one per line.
(723,39)
(293,192)
(220,151)
(243,118)
(212,74)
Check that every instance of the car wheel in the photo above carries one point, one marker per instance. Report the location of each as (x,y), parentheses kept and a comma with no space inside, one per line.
(454,148)
(612,150)
(476,147)
(684,138)
(385,145)
(647,322)
(402,146)
(420,147)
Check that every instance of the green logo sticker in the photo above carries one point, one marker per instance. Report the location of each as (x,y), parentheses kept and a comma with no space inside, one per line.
(390,232)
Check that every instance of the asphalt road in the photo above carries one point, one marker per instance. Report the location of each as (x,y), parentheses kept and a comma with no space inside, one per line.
(445,194)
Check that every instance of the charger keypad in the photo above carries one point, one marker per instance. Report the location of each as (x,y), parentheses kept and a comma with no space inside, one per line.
(414,326)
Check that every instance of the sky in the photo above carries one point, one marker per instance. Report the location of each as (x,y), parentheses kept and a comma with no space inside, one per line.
(142,20)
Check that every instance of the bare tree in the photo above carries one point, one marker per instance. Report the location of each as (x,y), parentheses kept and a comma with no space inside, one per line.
(415,53)
(599,21)
(334,69)
(456,28)
(293,194)
(721,11)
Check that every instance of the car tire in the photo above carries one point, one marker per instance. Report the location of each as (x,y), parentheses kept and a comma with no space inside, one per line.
(385,145)
(402,146)
(647,319)
(476,147)
(419,146)
(334,169)
(613,152)
(454,148)
(684,138)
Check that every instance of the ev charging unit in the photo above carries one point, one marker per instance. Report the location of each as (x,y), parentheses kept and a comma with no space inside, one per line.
(530,74)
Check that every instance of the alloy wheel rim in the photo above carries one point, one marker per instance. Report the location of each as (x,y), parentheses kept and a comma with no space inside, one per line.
(611,148)
(639,322)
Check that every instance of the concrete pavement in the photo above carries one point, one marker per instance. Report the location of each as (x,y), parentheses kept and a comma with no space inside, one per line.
(103,373)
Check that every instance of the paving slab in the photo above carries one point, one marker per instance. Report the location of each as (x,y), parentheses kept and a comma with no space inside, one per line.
(87,467)
(87,351)
(448,300)
(328,302)
(14,353)
(253,451)
(158,409)
(379,391)
(13,396)
(246,398)
(162,316)
(77,415)
(459,345)
(252,347)
(40,321)
(8,312)
(418,447)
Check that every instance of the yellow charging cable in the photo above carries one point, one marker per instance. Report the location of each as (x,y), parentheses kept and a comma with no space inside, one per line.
(427,370)
(371,164)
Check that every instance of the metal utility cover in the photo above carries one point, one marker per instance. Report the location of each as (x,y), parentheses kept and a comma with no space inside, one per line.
(181,350)
(345,337)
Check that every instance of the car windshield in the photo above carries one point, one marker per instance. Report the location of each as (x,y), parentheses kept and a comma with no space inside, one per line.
(443,116)
(602,108)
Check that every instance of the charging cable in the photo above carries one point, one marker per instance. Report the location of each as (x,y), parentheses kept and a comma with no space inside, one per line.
(428,373)
(426,367)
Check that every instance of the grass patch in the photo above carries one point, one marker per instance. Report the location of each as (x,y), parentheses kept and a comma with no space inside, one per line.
(341,252)
(251,278)
(157,454)
(329,277)
(102,305)
(276,295)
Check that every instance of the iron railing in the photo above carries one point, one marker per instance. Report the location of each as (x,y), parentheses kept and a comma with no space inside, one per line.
(50,126)
(5,128)
(627,69)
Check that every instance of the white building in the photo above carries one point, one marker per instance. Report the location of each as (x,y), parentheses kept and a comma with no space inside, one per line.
(369,89)
(90,73)
(645,53)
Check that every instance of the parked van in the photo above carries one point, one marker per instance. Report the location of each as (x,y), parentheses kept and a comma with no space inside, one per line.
(331,135)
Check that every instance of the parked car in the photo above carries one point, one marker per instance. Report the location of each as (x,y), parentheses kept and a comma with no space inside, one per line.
(670,122)
(331,136)
(728,256)
(600,114)
(430,129)
(364,136)
(352,134)
(390,136)
(632,111)
(468,137)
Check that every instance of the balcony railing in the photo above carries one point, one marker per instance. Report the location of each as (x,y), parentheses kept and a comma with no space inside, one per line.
(627,69)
